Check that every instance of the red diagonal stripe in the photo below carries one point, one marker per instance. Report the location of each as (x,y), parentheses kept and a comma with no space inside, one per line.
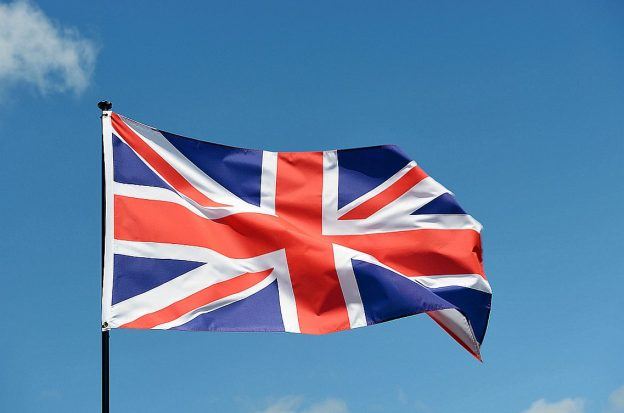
(199,299)
(401,186)
(173,177)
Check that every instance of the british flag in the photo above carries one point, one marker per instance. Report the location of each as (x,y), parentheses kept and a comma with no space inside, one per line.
(201,236)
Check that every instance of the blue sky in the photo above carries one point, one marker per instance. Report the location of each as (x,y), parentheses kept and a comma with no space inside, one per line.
(516,106)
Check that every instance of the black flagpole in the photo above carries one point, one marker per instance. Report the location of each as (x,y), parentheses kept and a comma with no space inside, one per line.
(104,105)
(105,392)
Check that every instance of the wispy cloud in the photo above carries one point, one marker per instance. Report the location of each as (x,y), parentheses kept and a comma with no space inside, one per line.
(616,401)
(562,406)
(35,50)
(412,405)
(296,404)
(577,405)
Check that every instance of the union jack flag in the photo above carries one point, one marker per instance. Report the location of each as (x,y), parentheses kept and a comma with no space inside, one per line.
(201,236)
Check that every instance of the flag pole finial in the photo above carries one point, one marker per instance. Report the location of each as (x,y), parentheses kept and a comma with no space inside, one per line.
(105,105)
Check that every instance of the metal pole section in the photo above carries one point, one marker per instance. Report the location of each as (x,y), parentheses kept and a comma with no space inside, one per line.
(105,386)
(104,105)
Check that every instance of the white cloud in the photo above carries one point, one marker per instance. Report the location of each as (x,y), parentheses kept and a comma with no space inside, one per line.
(35,50)
(407,402)
(295,404)
(328,406)
(562,406)
(284,405)
(616,400)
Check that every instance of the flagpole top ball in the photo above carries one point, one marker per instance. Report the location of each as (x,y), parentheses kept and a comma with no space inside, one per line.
(105,105)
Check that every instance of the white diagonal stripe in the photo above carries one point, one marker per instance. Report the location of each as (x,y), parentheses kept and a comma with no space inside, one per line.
(217,268)
(161,194)
(215,305)
(193,174)
(377,190)
(198,178)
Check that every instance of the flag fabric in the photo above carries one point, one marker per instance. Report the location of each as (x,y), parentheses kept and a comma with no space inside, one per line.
(202,236)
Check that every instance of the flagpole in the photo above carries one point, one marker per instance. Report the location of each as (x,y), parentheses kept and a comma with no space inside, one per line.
(104,106)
